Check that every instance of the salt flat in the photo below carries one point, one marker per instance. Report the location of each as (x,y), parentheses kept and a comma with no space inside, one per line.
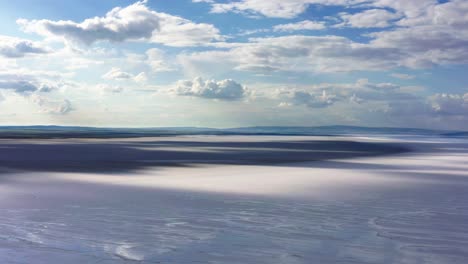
(234,199)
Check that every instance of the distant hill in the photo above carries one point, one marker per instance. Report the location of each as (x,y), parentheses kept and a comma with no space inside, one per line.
(97,132)
(335,130)
(94,132)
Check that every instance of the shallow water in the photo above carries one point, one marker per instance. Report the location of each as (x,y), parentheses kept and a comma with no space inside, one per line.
(368,210)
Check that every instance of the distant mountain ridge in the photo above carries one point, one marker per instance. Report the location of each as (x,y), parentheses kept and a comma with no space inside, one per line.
(53,131)
(339,129)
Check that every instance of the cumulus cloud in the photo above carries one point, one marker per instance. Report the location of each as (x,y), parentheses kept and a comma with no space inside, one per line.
(302,25)
(387,101)
(35,88)
(362,92)
(313,100)
(119,75)
(134,22)
(312,97)
(56,107)
(223,90)
(25,84)
(371,18)
(449,104)
(16,48)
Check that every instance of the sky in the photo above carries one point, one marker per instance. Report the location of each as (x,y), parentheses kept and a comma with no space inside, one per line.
(233,63)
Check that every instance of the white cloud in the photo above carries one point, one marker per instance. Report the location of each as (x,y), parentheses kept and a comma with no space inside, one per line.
(364,83)
(26,82)
(450,104)
(293,8)
(252,31)
(373,102)
(179,32)
(409,9)
(36,89)
(302,25)
(119,75)
(426,32)
(355,99)
(402,76)
(141,78)
(104,88)
(313,100)
(420,33)
(284,105)
(157,60)
(223,90)
(295,53)
(371,18)
(275,8)
(130,23)
(57,107)
(435,34)
(134,22)
(362,92)
(15,48)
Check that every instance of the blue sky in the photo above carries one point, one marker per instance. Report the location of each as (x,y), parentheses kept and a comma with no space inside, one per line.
(234,63)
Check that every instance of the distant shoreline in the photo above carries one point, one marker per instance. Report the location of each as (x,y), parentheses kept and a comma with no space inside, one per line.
(51,132)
